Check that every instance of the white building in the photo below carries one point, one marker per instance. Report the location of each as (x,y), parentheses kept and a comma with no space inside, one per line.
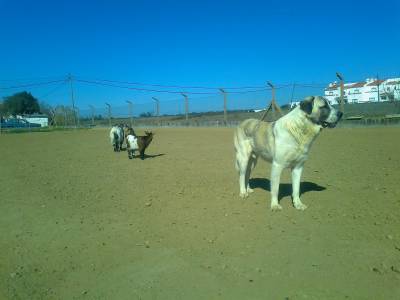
(365,91)
(43,120)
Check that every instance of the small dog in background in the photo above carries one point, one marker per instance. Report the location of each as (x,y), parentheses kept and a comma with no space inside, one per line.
(139,143)
(116,137)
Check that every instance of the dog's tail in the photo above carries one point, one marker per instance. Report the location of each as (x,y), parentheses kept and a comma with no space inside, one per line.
(236,144)
(112,136)
(241,140)
(238,137)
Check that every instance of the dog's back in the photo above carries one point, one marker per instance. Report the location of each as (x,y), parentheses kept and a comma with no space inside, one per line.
(254,136)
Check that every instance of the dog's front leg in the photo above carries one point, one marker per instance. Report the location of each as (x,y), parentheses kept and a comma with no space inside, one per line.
(275,179)
(296,175)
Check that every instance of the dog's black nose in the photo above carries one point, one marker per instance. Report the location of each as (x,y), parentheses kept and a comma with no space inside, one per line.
(339,115)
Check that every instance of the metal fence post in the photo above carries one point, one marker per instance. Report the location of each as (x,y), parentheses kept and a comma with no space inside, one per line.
(275,108)
(130,112)
(70,78)
(186,106)
(92,109)
(341,91)
(109,114)
(225,100)
(157,109)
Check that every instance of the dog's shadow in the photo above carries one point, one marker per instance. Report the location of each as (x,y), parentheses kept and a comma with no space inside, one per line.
(146,156)
(285,189)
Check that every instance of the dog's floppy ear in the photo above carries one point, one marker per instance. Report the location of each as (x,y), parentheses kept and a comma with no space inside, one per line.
(307,104)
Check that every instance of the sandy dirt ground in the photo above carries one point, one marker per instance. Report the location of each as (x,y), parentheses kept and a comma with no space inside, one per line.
(78,221)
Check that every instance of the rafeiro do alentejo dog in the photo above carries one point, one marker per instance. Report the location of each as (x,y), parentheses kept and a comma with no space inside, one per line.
(284,143)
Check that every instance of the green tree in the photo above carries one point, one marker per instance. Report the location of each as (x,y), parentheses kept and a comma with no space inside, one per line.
(21,103)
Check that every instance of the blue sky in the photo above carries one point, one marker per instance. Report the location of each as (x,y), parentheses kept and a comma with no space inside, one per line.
(193,43)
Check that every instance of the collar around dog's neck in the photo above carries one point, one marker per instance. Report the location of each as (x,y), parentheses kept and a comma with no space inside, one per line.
(315,122)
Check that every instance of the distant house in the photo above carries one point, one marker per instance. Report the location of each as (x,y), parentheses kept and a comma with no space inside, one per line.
(353,92)
(332,93)
(391,89)
(370,90)
(43,120)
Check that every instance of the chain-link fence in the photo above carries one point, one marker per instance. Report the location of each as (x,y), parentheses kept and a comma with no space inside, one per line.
(197,107)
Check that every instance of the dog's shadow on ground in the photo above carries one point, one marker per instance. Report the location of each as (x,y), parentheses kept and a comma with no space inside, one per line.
(285,189)
(146,156)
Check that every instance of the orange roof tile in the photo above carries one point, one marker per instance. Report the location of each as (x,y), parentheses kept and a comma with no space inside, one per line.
(374,83)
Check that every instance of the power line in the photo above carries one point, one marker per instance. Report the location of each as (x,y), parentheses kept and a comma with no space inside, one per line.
(52,91)
(163,91)
(31,85)
(176,86)
(258,88)
(136,88)
(33,78)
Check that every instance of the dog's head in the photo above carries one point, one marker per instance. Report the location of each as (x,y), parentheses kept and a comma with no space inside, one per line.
(149,135)
(320,112)
(129,131)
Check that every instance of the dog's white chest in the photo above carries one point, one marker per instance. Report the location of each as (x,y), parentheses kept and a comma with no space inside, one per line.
(132,142)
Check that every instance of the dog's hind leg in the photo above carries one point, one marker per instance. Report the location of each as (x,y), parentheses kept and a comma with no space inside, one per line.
(250,166)
(275,179)
(242,165)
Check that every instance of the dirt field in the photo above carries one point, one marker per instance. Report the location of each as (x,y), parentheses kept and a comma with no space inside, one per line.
(78,221)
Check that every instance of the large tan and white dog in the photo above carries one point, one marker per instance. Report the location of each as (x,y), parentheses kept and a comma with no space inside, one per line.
(285,143)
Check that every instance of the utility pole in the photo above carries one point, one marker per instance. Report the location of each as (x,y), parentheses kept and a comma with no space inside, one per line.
(92,109)
(338,75)
(157,106)
(130,104)
(225,100)
(186,106)
(70,79)
(109,113)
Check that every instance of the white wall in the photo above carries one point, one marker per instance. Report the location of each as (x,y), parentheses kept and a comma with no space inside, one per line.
(44,122)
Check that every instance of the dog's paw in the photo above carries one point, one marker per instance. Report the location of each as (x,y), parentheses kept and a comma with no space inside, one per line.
(249,190)
(300,206)
(243,195)
(276,207)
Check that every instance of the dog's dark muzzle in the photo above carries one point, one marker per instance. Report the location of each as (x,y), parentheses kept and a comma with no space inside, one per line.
(339,115)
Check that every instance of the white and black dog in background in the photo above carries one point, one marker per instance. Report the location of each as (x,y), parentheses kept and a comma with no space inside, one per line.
(117,137)
(284,143)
